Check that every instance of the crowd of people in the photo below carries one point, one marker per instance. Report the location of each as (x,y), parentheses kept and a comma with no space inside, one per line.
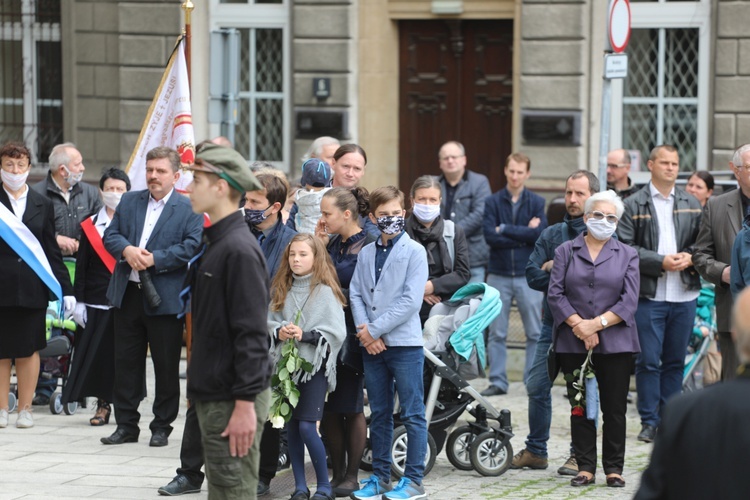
(299,296)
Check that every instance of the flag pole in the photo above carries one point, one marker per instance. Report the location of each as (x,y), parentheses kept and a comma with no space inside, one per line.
(188,7)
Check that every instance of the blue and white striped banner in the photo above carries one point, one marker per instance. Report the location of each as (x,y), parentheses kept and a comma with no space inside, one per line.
(19,238)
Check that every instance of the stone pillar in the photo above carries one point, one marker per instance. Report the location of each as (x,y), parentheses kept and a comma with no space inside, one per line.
(120,50)
(323,46)
(731,99)
(554,68)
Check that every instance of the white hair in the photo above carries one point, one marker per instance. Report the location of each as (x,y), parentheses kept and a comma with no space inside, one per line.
(607,196)
(59,155)
(737,156)
(316,148)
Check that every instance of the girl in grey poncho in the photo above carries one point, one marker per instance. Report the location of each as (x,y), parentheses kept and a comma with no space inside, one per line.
(307,306)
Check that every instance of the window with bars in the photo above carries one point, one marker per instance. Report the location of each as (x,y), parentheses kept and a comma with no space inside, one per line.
(660,101)
(31,75)
(259,133)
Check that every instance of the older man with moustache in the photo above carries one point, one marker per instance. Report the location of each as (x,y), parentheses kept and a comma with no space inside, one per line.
(722,220)
(153,235)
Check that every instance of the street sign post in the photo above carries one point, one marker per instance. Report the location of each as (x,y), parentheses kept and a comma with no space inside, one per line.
(615,66)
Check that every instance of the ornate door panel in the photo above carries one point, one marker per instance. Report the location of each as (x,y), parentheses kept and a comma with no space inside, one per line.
(455,83)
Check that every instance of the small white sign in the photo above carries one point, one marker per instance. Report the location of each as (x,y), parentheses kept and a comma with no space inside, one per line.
(615,66)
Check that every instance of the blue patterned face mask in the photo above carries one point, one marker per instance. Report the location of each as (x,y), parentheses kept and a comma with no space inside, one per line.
(391,224)
(255,217)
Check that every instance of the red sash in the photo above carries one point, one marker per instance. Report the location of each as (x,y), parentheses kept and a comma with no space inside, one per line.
(97,244)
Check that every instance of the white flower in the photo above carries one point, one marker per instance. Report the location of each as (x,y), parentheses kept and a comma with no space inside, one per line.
(277,422)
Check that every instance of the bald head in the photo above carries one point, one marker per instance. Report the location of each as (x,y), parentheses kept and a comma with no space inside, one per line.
(741,324)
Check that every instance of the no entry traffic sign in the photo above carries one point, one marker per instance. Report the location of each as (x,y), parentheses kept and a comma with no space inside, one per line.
(618,25)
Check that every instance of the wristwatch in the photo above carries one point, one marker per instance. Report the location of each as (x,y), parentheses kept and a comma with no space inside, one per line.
(604,321)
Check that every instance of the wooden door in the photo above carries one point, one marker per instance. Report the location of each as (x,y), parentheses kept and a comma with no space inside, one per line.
(456,83)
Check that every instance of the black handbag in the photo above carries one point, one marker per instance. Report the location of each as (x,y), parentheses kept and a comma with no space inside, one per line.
(553,364)
(350,353)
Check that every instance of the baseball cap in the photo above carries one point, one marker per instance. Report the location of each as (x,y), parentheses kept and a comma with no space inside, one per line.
(316,173)
(227,164)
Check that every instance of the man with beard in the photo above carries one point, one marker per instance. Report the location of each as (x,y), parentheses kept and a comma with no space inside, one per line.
(579,186)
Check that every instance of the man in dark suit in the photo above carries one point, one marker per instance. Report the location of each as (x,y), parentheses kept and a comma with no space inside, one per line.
(154,233)
(702,443)
(722,220)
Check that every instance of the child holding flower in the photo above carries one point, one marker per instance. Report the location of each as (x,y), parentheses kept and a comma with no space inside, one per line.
(306,323)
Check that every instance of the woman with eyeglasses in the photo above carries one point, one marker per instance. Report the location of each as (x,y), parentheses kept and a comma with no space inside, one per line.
(593,297)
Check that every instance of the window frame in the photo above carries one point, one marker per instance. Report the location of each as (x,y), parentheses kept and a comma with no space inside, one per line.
(263,16)
(671,15)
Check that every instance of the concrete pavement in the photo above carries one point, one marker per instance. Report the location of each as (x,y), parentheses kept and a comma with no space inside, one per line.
(61,457)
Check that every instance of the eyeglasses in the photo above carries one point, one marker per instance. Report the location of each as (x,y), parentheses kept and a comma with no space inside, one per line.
(611,218)
(617,165)
(746,168)
(449,158)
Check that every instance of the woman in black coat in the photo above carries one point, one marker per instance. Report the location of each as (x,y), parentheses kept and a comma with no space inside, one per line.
(23,295)
(92,372)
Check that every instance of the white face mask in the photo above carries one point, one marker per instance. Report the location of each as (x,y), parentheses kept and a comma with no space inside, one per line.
(426,213)
(111,199)
(14,182)
(600,229)
(73,179)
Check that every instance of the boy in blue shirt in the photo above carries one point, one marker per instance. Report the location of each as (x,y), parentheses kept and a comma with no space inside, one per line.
(385,296)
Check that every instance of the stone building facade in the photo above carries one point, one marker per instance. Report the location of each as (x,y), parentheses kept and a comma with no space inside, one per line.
(689,68)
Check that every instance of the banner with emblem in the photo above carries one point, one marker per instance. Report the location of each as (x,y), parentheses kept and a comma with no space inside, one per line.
(169,122)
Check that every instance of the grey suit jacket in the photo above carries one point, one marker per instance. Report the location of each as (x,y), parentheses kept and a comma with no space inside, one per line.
(722,220)
(173,242)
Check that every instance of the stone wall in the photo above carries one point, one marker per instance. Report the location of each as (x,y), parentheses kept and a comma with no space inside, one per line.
(554,71)
(731,98)
(323,46)
(116,57)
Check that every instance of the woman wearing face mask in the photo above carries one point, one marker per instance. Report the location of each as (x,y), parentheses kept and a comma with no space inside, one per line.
(92,372)
(444,241)
(593,297)
(31,272)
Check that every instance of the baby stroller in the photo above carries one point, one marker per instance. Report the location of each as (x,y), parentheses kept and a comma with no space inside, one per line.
(454,351)
(701,355)
(57,356)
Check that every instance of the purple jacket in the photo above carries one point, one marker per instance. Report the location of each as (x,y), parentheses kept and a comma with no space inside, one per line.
(591,289)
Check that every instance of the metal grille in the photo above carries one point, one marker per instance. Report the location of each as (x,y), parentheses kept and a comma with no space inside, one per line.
(260,124)
(31,74)
(661,92)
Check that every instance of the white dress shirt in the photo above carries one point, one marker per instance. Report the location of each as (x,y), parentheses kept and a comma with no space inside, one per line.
(153,212)
(18,205)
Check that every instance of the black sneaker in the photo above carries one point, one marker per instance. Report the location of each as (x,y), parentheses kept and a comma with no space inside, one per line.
(648,433)
(180,485)
(283,461)
(40,400)
(264,488)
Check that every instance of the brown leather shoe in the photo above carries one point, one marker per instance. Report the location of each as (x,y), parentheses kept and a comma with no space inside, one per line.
(525,458)
(581,480)
(615,482)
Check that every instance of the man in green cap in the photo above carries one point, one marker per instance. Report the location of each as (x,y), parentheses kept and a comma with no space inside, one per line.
(230,369)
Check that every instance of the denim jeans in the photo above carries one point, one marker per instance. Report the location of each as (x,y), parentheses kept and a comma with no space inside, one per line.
(538,386)
(530,306)
(664,329)
(402,367)
(477,274)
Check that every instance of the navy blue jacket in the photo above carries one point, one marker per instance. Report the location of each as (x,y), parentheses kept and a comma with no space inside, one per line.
(274,244)
(510,248)
(173,243)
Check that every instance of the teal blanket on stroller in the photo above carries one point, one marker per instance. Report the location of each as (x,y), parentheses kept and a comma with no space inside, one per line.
(470,333)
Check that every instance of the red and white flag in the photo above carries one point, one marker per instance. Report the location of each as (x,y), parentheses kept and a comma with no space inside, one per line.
(169,123)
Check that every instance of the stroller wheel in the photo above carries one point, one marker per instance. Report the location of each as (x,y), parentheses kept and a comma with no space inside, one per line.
(55,404)
(458,447)
(489,456)
(366,463)
(12,402)
(398,452)
(71,408)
